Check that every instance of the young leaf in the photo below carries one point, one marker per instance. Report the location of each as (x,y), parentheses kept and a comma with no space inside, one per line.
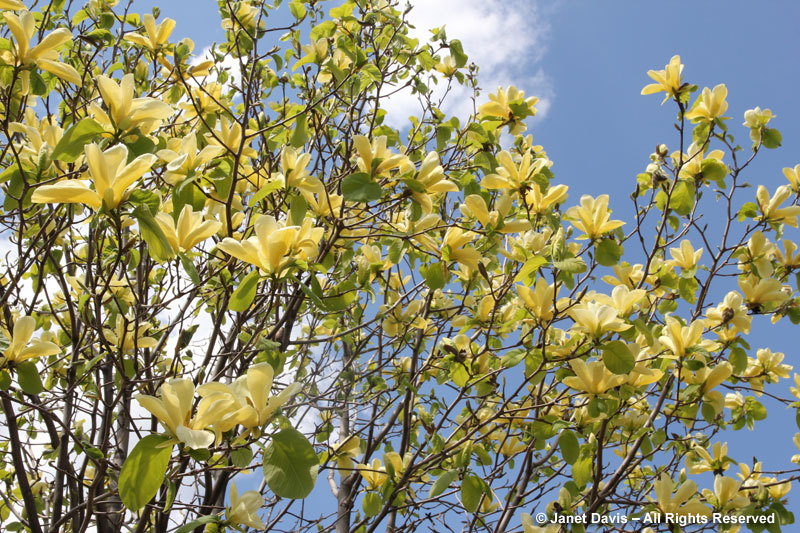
(358,187)
(618,358)
(143,471)
(442,482)
(570,448)
(245,293)
(74,139)
(290,465)
(157,244)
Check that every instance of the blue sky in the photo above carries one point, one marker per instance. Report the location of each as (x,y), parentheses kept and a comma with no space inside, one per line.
(587,61)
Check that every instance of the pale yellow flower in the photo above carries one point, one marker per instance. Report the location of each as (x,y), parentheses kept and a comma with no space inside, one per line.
(21,348)
(190,230)
(275,245)
(345,452)
(756,120)
(125,112)
(682,502)
(499,106)
(793,175)
(596,319)
(592,216)
(456,239)
(374,474)
(156,36)
(678,338)
(377,150)
(43,55)
(686,256)
(539,300)
(760,292)
(667,80)
(731,312)
(593,378)
(771,207)
(541,203)
(699,460)
(726,495)
(111,176)
(243,509)
(182,157)
(512,176)
(174,409)
(431,178)
(126,336)
(710,105)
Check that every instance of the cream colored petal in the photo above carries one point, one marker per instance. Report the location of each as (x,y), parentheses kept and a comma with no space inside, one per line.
(61,70)
(195,439)
(67,192)
(52,40)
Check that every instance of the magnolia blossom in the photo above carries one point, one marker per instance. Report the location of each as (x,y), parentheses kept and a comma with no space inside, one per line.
(21,348)
(667,80)
(243,509)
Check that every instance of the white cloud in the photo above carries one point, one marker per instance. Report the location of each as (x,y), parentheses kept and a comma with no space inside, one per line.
(506,39)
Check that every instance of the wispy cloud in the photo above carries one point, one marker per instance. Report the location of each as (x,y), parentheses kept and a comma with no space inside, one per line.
(506,39)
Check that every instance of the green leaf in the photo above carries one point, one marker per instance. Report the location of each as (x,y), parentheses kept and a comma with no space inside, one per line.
(29,379)
(738,360)
(145,198)
(75,138)
(527,274)
(242,457)
(434,275)
(157,244)
(771,138)
(5,380)
(372,503)
(582,471)
(298,9)
(190,269)
(513,358)
(457,51)
(608,252)
(618,358)
(245,293)
(570,447)
(442,483)
(203,520)
(290,465)
(143,471)
(471,492)
(300,133)
(572,265)
(297,210)
(359,187)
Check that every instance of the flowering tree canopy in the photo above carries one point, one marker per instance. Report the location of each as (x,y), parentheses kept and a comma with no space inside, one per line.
(234,295)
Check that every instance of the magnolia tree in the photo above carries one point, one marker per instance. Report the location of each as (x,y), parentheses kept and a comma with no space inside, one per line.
(233,296)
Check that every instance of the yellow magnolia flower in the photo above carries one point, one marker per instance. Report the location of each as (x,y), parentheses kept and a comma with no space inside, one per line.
(190,230)
(686,256)
(174,408)
(456,239)
(20,347)
(679,337)
(243,509)
(699,460)
(345,452)
(247,401)
(275,245)
(596,319)
(295,174)
(229,136)
(110,175)
(756,120)
(682,503)
(374,151)
(431,178)
(126,112)
(15,5)
(541,203)
(127,337)
(726,495)
(793,175)
(758,254)
(623,299)
(41,135)
(157,36)
(43,55)
(765,367)
(693,160)
(759,292)
(788,258)
(539,300)
(667,80)
(593,378)
(499,106)
(529,526)
(374,474)
(475,206)
(447,66)
(710,105)
(182,157)
(771,207)
(513,177)
(731,313)
(592,217)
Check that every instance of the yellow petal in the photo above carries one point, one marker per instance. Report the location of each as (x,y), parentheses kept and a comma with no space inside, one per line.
(67,192)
